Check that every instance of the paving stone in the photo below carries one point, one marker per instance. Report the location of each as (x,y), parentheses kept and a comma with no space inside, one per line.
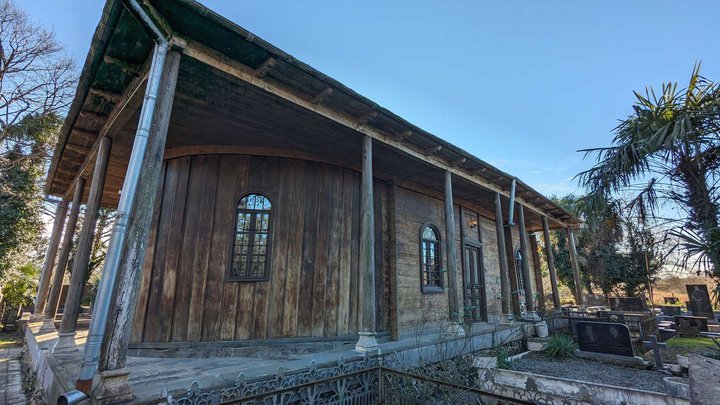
(11,378)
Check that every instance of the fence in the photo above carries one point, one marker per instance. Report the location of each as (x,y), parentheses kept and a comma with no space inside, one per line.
(363,382)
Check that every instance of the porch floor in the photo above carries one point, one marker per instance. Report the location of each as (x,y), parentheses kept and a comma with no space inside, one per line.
(149,375)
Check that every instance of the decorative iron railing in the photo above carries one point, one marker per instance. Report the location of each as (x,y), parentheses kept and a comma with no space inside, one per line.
(346,382)
(360,382)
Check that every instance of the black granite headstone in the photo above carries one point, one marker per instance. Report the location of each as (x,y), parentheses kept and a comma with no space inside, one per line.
(671,310)
(604,337)
(699,300)
(628,304)
(671,300)
(690,326)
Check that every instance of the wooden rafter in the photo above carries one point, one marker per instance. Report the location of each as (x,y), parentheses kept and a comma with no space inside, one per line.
(320,97)
(433,150)
(459,161)
(92,115)
(365,118)
(109,96)
(125,66)
(404,134)
(265,67)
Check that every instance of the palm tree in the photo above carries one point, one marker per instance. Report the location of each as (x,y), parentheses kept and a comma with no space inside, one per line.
(671,144)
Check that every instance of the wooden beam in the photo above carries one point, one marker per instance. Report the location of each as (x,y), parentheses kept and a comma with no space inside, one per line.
(78,148)
(90,135)
(506,298)
(550,260)
(525,263)
(365,118)
(92,115)
(109,96)
(265,67)
(223,63)
(458,162)
(320,97)
(131,100)
(125,66)
(402,135)
(433,150)
(479,171)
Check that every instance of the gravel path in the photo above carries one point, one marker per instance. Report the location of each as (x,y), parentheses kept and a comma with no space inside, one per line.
(593,371)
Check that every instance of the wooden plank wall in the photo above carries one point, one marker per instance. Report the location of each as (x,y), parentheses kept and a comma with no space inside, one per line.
(312,290)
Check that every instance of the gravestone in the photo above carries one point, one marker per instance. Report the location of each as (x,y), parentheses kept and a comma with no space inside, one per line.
(699,301)
(604,337)
(672,300)
(628,304)
(690,326)
(671,310)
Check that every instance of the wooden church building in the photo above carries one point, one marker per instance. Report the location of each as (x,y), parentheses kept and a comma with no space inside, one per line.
(259,199)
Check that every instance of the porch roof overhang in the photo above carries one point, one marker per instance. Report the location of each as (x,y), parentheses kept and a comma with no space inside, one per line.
(112,84)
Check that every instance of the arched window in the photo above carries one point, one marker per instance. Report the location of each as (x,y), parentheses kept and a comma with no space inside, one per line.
(430,272)
(251,242)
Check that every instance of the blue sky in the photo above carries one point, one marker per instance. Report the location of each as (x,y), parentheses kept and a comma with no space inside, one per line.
(520,84)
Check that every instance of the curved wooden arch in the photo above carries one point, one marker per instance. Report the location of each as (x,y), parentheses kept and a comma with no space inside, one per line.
(183,151)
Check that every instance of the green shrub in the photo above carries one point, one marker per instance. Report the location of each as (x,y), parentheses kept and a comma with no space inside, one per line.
(503,360)
(560,346)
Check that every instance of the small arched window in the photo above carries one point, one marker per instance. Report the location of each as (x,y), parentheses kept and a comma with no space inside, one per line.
(430,272)
(251,242)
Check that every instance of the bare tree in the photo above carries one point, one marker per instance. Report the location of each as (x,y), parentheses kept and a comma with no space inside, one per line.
(36,78)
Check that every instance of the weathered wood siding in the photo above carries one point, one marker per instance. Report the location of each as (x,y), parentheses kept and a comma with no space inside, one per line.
(419,313)
(312,289)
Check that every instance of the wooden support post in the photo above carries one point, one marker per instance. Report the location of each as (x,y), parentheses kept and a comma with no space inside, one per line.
(537,271)
(525,263)
(54,297)
(113,354)
(514,285)
(575,267)
(550,262)
(66,337)
(502,258)
(367,341)
(50,255)
(454,328)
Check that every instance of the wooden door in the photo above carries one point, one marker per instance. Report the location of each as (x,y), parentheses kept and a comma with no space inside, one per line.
(474,283)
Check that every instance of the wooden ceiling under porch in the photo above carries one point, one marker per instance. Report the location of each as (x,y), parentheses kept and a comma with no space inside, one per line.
(252,98)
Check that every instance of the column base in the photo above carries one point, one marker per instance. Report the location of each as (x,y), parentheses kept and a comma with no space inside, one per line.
(48,326)
(367,343)
(112,387)
(532,315)
(507,319)
(36,317)
(65,343)
(455,330)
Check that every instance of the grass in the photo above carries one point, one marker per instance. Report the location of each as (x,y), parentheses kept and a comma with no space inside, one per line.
(697,343)
(9,339)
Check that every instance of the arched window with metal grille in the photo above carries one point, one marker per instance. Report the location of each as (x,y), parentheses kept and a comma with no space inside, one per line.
(251,242)
(430,261)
